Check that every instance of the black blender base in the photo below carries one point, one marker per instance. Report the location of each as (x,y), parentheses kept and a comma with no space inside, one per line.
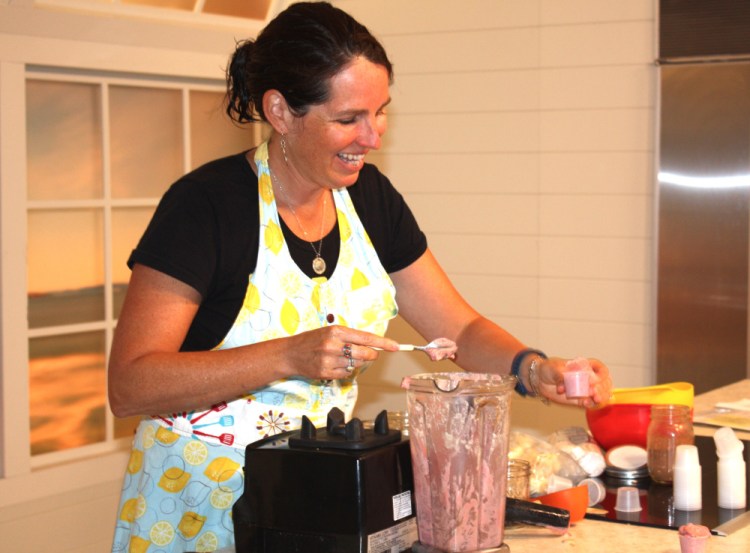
(419,548)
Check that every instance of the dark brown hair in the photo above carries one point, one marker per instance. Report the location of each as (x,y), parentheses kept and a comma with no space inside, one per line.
(297,53)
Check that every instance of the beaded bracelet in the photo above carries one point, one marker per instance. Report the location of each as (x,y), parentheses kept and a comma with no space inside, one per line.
(535,389)
(515,368)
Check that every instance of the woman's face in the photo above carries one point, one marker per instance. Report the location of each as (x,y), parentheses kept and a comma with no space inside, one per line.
(327,146)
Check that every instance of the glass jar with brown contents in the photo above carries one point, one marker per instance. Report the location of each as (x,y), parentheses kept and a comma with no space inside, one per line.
(670,426)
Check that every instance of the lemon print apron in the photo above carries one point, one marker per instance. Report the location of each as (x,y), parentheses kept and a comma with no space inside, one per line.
(186,469)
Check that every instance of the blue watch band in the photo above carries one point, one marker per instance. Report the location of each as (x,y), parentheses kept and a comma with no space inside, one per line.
(515,368)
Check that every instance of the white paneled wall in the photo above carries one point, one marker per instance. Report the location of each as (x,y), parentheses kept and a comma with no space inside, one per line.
(522,135)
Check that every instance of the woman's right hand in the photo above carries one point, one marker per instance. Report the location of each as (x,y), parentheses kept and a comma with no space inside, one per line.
(325,353)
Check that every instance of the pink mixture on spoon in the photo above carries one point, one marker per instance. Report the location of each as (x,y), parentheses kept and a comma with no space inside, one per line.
(441,348)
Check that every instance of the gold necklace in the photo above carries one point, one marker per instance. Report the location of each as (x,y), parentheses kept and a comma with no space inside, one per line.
(318,264)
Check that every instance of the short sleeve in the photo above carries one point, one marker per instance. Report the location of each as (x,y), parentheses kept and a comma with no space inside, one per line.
(390,223)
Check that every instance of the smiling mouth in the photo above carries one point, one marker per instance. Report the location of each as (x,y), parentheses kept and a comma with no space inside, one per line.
(352,159)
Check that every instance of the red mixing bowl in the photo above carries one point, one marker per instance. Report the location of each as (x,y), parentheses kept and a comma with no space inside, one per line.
(619,424)
(625,420)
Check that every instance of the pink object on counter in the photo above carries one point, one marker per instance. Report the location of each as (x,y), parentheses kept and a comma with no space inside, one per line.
(577,377)
(694,538)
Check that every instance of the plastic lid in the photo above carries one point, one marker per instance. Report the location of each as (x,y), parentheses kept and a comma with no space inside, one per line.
(597,491)
(628,500)
(627,457)
(593,463)
(727,443)
(686,456)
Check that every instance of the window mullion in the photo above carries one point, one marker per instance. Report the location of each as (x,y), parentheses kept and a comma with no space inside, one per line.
(107,244)
(15,455)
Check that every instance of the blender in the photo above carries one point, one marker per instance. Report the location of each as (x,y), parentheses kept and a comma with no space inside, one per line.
(459,429)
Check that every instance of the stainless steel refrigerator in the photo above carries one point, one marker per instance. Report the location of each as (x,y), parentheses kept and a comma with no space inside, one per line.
(702,221)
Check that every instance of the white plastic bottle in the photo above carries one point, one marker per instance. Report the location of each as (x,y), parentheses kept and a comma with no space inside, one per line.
(730,469)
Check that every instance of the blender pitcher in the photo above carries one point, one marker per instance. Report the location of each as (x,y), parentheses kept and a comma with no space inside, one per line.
(459,428)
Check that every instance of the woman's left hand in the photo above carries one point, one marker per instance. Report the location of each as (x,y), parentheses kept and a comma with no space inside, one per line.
(551,383)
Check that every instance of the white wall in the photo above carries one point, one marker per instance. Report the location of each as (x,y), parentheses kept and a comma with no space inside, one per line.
(521,133)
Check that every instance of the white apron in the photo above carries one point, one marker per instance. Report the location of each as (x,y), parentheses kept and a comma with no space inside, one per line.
(185,469)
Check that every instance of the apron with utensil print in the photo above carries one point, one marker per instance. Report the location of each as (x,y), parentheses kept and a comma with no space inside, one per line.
(186,469)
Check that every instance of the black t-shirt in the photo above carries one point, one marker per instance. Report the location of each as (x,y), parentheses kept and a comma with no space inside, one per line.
(205,233)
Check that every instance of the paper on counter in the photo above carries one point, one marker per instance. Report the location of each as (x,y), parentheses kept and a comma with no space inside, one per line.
(741,405)
(737,416)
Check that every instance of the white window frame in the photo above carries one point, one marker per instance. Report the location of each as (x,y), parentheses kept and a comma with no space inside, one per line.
(21,478)
(107,204)
(109,7)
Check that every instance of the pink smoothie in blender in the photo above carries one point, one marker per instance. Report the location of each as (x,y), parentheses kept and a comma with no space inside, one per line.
(459,428)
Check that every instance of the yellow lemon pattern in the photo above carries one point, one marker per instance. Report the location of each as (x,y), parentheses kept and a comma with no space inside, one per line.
(161,533)
(274,238)
(289,318)
(195,452)
(186,469)
(344,228)
(165,436)
(190,524)
(174,479)
(136,461)
(221,499)
(207,542)
(252,299)
(359,280)
(221,469)
(265,188)
(149,437)
(138,545)
(133,509)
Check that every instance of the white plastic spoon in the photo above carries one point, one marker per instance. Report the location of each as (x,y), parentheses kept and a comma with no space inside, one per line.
(437,350)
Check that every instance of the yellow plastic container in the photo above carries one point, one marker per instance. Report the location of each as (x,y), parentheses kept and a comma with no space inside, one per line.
(673,393)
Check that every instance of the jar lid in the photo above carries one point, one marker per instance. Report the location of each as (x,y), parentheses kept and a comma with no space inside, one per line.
(627,462)
(627,457)
(627,474)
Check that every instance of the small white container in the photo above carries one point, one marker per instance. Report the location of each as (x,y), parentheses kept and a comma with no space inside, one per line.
(730,469)
(557,483)
(576,383)
(628,500)
(687,479)
(597,491)
(576,378)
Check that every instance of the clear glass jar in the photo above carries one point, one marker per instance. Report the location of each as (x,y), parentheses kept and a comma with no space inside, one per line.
(670,426)
(519,472)
(399,420)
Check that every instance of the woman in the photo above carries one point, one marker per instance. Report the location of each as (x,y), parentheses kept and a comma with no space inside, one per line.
(266,281)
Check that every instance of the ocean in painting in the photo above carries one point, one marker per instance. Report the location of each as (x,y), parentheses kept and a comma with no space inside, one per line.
(67,372)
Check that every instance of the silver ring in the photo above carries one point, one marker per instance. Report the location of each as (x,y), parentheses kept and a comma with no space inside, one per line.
(347,351)
(350,365)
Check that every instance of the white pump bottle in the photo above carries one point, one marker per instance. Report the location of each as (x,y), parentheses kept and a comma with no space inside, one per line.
(731,472)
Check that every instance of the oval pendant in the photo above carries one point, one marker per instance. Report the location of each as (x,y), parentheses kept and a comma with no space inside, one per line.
(319,265)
